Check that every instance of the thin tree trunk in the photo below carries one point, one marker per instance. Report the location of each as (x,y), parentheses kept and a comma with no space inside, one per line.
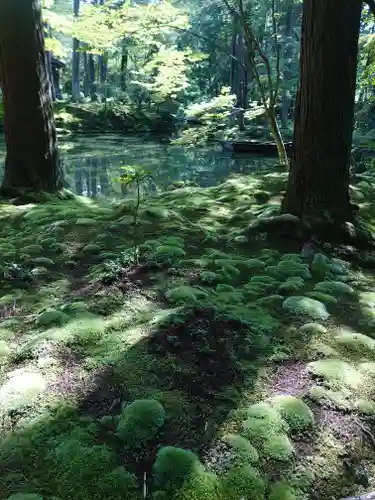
(124,69)
(76,61)
(32,161)
(318,186)
(288,54)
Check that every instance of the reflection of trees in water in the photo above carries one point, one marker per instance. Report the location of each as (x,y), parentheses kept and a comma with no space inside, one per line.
(95,176)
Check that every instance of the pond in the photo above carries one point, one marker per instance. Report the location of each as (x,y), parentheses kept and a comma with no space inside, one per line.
(93,163)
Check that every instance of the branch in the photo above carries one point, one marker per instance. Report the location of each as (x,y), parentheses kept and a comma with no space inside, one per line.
(213,44)
(253,42)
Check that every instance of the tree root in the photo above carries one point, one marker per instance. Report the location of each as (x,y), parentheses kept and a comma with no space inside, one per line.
(18,196)
(317,231)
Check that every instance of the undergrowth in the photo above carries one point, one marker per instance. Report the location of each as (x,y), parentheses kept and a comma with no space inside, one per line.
(120,369)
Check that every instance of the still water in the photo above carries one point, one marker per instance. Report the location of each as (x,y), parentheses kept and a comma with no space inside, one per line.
(92,163)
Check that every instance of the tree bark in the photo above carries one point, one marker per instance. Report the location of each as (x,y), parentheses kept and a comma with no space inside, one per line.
(76,87)
(32,162)
(318,185)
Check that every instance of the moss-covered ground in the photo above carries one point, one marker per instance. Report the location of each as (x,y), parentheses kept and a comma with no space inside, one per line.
(214,368)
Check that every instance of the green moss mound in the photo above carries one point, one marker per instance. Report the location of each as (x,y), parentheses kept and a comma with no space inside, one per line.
(140,421)
(283,491)
(201,486)
(244,482)
(295,412)
(173,466)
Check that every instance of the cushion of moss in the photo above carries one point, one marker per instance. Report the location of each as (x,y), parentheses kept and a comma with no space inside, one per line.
(33,249)
(75,307)
(353,343)
(86,222)
(291,285)
(39,271)
(278,447)
(322,297)
(304,306)
(244,482)
(52,317)
(25,496)
(185,293)
(140,421)
(271,301)
(173,467)
(367,299)
(337,373)
(43,261)
(201,486)
(282,491)
(4,349)
(365,407)
(329,398)
(22,389)
(335,288)
(242,448)
(313,329)
(295,412)
(91,248)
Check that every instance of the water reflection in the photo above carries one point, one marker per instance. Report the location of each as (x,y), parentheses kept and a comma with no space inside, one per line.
(92,164)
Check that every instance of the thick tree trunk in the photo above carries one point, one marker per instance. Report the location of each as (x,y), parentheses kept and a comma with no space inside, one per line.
(32,162)
(287,60)
(318,186)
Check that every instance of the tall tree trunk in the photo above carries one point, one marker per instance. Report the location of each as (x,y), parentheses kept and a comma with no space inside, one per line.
(86,76)
(124,68)
(76,61)
(287,60)
(32,161)
(318,185)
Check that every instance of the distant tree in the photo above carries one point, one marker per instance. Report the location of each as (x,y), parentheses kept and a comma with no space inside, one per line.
(318,186)
(32,162)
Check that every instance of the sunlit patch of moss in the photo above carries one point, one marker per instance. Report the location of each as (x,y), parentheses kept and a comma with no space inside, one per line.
(354,345)
(243,451)
(333,399)
(304,306)
(295,412)
(337,374)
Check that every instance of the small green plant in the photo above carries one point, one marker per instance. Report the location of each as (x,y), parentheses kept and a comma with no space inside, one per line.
(139,176)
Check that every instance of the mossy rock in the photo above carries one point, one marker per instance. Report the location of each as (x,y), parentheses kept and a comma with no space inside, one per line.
(244,482)
(255,264)
(295,412)
(271,302)
(52,317)
(304,306)
(75,307)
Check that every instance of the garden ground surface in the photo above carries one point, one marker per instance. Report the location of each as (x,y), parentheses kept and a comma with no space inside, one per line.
(259,361)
